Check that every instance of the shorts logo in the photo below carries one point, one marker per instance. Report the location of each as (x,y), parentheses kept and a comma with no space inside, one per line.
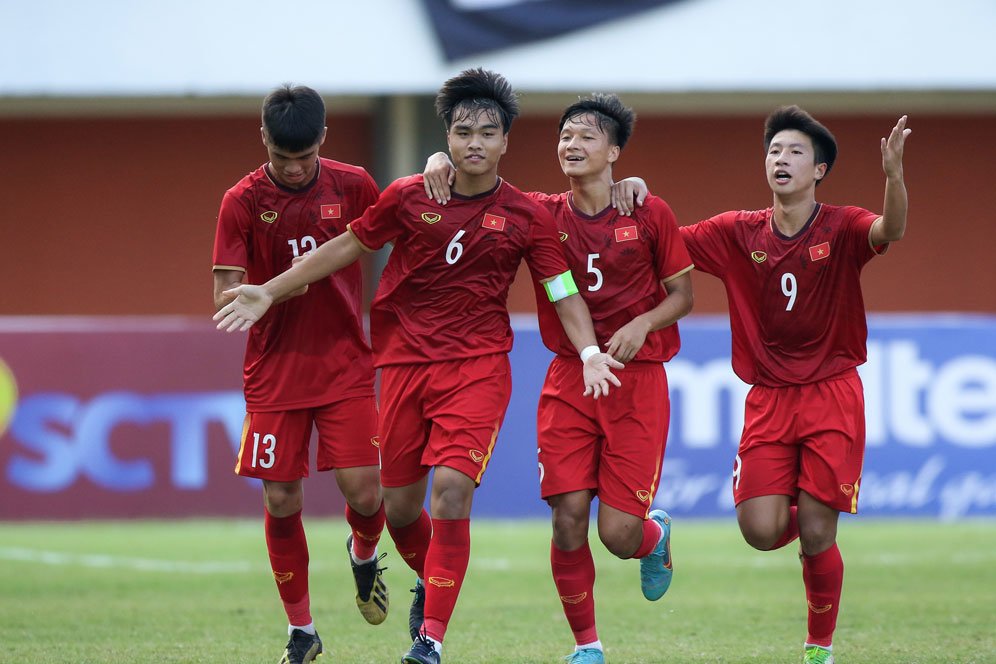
(626,233)
(759,256)
(563,236)
(847,489)
(493,222)
(431,217)
(819,252)
(573,599)
(269,216)
(441,582)
(643,496)
(375,441)
(476,455)
(331,211)
(283,577)
(819,609)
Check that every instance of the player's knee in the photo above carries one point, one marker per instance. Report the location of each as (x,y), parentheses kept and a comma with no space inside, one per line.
(282,499)
(618,539)
(761,536)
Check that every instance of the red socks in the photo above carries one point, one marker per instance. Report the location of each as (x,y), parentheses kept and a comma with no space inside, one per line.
(823,575)
(574,576)
(791,530)
(445,567)
(412,542)
(651,536)
(288,549)
(366,531)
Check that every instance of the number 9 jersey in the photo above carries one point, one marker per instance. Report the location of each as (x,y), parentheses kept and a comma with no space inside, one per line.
(796,310)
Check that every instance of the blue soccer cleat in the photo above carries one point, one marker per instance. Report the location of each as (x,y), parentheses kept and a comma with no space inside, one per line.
(586,656)
(422,652)
(655,567)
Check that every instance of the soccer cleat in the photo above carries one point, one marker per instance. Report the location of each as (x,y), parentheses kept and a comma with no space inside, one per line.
(586,656)
(372,597)
(422,652)
(655,567)
(301,648)
(817,655)
(416,614)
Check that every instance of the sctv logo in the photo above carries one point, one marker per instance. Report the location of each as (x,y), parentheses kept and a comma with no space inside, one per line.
(65,439)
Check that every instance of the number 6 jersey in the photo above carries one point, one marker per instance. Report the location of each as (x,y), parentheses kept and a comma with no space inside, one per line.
(796,310)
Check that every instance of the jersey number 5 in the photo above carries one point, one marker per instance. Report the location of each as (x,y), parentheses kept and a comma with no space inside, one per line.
(595,271)
(789,289)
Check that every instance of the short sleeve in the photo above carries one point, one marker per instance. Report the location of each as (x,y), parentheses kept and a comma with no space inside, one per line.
(708,243)
(544,255)
(671,257)
(231,239)
(380,224)
(857,226)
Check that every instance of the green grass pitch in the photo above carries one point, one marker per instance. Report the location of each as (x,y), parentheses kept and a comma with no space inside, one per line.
(200,591)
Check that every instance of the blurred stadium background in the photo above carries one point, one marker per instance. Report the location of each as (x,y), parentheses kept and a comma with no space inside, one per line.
(123,123)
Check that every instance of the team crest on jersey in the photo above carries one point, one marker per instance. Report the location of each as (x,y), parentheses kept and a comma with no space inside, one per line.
(269,216)
(643,496)
(819,252)
(759,256)
(331,210)
(431,217)
(563,236)
(493,222)
(626,233)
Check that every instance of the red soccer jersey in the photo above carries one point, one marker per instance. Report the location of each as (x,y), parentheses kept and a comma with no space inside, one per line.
(796,310)
(309,350)
(618,264)
(443,293)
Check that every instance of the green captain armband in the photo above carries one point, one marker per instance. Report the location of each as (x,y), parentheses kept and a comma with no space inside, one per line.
(560,287)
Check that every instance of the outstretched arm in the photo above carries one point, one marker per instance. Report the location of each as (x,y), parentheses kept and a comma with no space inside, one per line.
(251,302)
(439,175)
(576,319)
(629,339)
(891,226)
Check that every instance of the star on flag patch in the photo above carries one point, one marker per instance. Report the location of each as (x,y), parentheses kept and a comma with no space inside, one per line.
(331,210)
(493,222)
(626,233)
(819,252)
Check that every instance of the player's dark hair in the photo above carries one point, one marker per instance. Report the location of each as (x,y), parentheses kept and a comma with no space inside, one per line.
(613,118)
(294,117)
(793,117)
(476,90)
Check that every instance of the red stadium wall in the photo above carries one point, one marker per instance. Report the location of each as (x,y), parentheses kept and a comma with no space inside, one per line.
(116,216)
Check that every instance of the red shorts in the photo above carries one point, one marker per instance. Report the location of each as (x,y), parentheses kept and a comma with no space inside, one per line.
(614,446)
(803,437)
(441,414)
(275,444)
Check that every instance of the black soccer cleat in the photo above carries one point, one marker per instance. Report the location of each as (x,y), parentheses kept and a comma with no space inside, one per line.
(422,652)
(416,614)
(372,597)
(302,648)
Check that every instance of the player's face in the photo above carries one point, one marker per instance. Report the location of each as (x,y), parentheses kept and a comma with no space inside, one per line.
(293,169)
(791,163)
(476,142)
(584,148)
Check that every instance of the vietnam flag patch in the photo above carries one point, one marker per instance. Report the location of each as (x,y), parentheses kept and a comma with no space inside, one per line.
(626,233)
(493,222)
(331,211)
(819,251)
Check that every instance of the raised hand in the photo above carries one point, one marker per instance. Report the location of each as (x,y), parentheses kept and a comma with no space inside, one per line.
(892,149)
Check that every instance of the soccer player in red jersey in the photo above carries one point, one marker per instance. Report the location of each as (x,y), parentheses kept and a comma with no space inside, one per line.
(637,286)
(797,316)
(441,334)
(308,364)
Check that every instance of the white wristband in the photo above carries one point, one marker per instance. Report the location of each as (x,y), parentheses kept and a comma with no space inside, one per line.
(587,352)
